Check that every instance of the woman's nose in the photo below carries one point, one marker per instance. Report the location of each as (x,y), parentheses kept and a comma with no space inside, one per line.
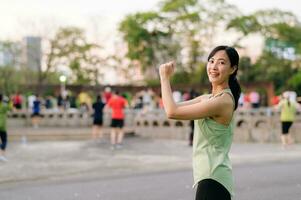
(214,65)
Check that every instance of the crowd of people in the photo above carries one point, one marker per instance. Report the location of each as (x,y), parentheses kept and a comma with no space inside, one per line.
(145,100)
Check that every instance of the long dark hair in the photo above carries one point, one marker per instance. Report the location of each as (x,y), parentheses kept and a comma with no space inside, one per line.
(234,61)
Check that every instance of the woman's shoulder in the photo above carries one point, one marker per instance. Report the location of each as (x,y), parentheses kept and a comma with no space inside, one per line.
(205,96)
(225,100)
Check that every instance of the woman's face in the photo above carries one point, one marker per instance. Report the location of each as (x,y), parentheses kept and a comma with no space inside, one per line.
(219,68)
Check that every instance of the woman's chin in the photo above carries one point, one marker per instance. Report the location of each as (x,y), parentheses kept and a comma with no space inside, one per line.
(213,80)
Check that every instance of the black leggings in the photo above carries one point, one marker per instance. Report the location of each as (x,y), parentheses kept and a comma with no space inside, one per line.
(209,189)
(3,136)
(286,125)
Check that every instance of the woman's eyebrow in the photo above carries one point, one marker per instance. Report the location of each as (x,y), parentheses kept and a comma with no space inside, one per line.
(217,58)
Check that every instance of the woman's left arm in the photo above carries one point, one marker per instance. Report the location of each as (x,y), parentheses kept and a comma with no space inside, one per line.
(205,108)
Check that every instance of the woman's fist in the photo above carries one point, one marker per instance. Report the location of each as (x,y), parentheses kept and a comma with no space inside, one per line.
(166,69)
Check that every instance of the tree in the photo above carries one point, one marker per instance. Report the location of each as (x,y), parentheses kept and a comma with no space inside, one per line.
(280,59)
(70,48)
(181,30)
(145,41)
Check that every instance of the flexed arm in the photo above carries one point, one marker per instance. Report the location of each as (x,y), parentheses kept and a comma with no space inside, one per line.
(194,109)
(166,71)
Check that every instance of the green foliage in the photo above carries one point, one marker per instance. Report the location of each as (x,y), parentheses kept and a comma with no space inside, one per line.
(294,82)
(177,5)
(144,38)
(246,72)
(199,76)
(179,26)
(152,82)
(11,84)
(271,68)
(245,24)
(280,59)
(70,47)
(181,77)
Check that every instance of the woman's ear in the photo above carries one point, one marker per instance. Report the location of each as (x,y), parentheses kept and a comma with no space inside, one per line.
(234,68)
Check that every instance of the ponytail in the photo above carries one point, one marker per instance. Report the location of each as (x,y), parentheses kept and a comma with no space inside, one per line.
(235,89)
(288,102)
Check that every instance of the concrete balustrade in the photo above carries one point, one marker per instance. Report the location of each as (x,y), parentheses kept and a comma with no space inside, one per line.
(254,125)
(72,118)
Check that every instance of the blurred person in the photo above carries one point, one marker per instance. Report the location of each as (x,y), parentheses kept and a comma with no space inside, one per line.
(4,108)
(288,110)
(147,99)
(247,101)
(137,101)
(254,99)
(60,102)
(275,100)
(292,95)
(177,96)
(107,94)
(84,101)
(241,100)
(72,101)
(186,96)
(17,101)
(117,104)
(192,94)
(128,97)
(36,112)
(30,99)
(213,115)
(67,102)
(98,107)
(48,102)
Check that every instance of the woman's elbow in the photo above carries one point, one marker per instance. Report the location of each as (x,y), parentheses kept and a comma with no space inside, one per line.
(171,112)
(171,115)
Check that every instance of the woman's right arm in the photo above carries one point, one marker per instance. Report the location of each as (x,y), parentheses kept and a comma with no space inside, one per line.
(194,101)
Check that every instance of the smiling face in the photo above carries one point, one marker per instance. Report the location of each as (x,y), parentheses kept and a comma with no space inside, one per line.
(219,68)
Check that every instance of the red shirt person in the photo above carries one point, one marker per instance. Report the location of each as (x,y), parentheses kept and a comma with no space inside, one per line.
(117,104)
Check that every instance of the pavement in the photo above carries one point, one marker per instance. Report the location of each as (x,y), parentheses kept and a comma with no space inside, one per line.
(55,160)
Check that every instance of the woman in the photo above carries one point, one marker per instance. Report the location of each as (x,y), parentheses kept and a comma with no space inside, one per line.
(98,107)
(4,108)
(213,117)
(287,117)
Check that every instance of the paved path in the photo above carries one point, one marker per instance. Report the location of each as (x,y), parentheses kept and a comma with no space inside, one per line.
(70,159)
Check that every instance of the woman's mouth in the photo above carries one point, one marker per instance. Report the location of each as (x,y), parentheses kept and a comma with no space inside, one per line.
(213,74)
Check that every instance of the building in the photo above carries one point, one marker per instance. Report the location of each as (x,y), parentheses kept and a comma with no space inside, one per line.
(9,54)
(32,53)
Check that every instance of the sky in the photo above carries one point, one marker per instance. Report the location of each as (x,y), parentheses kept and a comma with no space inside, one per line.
(99,17)
(19,18)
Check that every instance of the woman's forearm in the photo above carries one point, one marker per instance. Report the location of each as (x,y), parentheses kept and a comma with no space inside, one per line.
(168,101)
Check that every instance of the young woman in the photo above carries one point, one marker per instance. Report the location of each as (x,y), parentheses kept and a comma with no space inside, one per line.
(213,117)
(288,111)
(4,108)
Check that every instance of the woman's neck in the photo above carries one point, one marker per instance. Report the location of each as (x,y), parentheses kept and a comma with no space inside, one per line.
(218,88)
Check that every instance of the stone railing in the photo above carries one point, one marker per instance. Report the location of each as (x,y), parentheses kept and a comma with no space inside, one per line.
(254,125)
(72,118)
(260,125)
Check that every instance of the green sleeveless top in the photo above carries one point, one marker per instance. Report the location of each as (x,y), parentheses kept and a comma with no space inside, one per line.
(288,111)
(211,145)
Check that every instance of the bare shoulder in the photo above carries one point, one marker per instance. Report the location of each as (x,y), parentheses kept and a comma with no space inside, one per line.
(225,107)
(204,97)
(226,101)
